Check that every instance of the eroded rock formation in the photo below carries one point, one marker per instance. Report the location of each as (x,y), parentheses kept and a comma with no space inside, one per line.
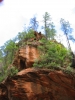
(26,55)
(38,84)
(34,83)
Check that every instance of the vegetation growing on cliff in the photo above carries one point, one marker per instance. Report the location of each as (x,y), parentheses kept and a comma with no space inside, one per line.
(53,54)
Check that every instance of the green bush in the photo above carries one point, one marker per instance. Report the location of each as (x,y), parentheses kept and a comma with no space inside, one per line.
(7,72)
(12,71)
(53,55)
(30,34)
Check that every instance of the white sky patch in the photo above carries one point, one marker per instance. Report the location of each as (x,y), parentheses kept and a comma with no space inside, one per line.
(14,14)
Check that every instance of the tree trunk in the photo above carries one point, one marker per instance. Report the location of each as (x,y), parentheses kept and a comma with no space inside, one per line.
(68,43)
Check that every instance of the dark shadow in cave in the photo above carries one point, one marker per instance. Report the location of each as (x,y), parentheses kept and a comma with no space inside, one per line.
(22,64)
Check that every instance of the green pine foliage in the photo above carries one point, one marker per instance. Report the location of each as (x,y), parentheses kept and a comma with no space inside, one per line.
(48,26)
(25,35)
(30,34)
(5,72)
(8,50)
(54,55)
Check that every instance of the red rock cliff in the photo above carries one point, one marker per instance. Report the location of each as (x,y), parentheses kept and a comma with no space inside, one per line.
(26,55)
(38,84)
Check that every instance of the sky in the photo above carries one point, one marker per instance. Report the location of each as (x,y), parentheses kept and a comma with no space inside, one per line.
(14,14)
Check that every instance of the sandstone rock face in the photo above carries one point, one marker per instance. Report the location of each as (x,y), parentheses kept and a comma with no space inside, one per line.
(38,84)
(25,57)
(34,83)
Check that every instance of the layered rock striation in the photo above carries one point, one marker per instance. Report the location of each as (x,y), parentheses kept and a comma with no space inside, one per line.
(38,84)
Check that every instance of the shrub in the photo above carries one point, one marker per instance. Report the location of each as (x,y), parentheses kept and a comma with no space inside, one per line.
(53,55)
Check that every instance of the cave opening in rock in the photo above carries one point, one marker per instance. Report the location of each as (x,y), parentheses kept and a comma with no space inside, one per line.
(22,64)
